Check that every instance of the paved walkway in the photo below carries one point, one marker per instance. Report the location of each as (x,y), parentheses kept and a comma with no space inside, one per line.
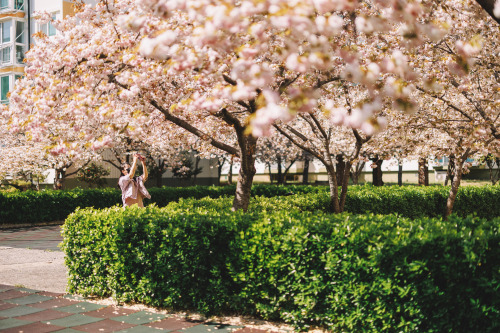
(29,310)
(40,238)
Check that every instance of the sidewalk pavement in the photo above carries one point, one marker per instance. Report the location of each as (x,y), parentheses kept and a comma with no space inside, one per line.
(30,258)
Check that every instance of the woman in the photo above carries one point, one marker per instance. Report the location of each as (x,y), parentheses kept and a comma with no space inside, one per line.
(133,189)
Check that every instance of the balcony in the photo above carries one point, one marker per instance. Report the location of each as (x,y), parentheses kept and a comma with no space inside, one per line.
(7,6)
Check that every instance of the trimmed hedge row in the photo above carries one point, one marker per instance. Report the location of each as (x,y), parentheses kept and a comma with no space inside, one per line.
(50,205)
(419,201)
(411,201)
(365,273)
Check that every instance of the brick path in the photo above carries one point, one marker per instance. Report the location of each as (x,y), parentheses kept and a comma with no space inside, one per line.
(27,310)
(40,238)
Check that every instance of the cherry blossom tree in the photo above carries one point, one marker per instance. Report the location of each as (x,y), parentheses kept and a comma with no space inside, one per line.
(223,71)
(465,107)
(279,151)
(323,135)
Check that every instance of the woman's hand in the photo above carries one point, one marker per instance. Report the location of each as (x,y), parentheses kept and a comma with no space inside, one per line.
(140,157)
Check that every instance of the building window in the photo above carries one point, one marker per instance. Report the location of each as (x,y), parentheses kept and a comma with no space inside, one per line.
(19,4)
(20,32)
(47,28)
(5,54)
(5,42)
(19,54)
(20,41)
(5,27)
(4,88)
(12,4)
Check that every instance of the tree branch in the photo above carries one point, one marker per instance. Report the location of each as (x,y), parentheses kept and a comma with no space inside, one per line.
(488,6)
(463,113)
(298,144)
(193,130)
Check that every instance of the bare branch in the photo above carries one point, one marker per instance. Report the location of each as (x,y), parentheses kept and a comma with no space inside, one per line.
(286,83)
(298,144)
(193,130)
(451,105)
(229,80)
(321,83)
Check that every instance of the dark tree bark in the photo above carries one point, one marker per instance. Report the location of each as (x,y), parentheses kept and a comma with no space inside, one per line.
(230,173)
(488,6)
(423,172)
(334,190)
(305,172)
(287,169)
(450,170)
(455,184)
(219,168)
(248,146)
(270,172)
(340,168)
(344,184)
(280,170)
(400,174)
(356,172)
(59,178)
(159,174)
(377,172)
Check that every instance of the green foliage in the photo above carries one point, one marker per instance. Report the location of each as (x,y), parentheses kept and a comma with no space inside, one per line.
(420,201)
(93,175)
(354,273)
(411,201)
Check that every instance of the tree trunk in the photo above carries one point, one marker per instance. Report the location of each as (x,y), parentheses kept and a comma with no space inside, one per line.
(196,164)
(59,179)
(400,174)
(340,168)
(287,169)
(356,172)
(305,172)
(280,171)
(377,172)
(345,183)
(219,168)
(230,173)
(449,171)
(159,173)
(334,190)
(455,184)
(423,172)
(248,146)
(270,173)
(159,179)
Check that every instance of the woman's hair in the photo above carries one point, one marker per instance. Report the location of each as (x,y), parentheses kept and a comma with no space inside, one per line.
(125,166)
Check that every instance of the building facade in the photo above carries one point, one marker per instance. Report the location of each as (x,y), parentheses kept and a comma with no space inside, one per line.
(17,26)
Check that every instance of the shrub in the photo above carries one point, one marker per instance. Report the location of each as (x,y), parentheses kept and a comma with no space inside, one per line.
(411,201)
(356,273)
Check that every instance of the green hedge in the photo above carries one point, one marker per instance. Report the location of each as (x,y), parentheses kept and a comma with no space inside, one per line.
(50,205)
(419,201)
(411,201)
(364,273)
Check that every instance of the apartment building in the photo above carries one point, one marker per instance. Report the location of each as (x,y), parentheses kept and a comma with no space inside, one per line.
(17,25)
